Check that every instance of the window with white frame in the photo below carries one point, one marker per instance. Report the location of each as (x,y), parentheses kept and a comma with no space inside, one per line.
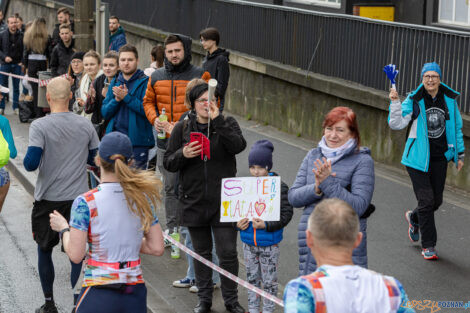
(328,3)
(454,12)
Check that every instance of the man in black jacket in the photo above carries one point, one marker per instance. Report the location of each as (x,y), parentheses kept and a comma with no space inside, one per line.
(63,17)
(11,53)
(216,62)
(62,52)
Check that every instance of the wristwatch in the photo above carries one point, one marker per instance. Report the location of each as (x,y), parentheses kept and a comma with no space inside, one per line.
(61,233)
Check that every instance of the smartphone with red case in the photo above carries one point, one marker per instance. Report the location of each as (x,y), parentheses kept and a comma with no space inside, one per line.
(203,141)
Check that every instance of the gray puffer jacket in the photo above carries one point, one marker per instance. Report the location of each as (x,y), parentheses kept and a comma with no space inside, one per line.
(355,168)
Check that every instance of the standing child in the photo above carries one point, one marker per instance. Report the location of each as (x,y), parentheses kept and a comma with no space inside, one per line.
(261,239)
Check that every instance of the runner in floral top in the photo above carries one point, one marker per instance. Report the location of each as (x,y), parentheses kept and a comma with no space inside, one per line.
(117,220)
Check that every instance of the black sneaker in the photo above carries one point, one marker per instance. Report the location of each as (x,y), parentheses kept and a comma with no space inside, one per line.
(48,307)
(202,307)
(235,308)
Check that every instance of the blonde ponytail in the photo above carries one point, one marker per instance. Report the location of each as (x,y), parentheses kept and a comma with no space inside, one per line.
(141,188)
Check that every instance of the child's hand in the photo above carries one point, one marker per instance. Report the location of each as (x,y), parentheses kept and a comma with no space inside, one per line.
(258,223)
(243,223)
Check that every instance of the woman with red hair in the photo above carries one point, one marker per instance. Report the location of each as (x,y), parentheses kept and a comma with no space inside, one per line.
(338,168)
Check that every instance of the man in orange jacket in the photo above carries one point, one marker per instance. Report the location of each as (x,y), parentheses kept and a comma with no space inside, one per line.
(166,89)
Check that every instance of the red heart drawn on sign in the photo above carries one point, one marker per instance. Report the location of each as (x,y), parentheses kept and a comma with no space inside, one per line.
(260,207)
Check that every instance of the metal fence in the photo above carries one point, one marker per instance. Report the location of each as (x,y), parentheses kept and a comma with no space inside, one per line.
(344,46)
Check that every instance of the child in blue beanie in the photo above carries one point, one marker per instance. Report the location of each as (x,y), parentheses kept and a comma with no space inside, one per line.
(261,239)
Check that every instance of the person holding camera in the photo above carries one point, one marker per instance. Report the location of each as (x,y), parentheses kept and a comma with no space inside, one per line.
(200,176)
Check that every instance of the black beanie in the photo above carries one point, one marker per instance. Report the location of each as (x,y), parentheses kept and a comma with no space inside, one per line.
(261,154)
(196,92)
(78,55)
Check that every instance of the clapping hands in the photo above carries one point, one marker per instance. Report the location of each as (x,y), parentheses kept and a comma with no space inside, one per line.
(322,170)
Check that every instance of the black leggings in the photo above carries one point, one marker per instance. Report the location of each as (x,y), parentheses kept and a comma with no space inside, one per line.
(47,273)
(428,188)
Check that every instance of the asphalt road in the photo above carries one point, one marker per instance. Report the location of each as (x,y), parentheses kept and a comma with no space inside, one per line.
(20,289)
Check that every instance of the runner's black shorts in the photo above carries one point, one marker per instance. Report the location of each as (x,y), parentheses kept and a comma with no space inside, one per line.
(43,234)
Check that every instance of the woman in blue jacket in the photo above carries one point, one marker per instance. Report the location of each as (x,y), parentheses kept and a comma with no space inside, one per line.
(435,138)
(337,168)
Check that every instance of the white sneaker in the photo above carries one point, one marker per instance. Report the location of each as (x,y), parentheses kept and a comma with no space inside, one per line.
(2,111)
(194,288)
(17,111)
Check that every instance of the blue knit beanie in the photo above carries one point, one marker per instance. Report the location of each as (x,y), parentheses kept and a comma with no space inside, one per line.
(433,66)
(261,154)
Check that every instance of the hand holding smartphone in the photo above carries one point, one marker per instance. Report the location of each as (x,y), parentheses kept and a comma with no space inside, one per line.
(203,141)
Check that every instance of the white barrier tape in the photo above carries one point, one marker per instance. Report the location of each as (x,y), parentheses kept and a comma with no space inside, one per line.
(41,82)
(237,279)
(94,175)
(208,263)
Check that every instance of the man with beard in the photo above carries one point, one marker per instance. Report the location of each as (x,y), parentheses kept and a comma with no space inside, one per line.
(117,37)
(166,90)
(123,105)
(63,17)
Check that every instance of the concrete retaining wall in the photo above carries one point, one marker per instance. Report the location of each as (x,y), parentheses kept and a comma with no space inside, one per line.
(282,96)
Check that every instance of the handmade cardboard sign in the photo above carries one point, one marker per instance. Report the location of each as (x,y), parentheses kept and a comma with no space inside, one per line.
(250,197)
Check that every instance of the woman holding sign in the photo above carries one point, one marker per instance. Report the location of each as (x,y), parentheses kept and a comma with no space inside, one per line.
(203,148)
(338,168)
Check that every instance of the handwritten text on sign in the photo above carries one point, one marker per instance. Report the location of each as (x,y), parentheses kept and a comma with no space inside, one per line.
(251,197)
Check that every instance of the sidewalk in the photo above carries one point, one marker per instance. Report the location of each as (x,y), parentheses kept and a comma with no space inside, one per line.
(159,272)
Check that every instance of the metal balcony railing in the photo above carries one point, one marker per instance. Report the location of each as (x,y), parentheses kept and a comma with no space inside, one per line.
(337,45)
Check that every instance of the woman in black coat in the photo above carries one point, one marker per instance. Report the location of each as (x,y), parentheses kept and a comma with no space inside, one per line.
(200,187)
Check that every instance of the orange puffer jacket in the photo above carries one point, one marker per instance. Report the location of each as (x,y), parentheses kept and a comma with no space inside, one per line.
(168,91)
(167,86)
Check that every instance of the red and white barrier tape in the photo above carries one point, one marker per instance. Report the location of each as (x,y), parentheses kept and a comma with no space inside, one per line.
(237,279)
(41,82)
(208,263)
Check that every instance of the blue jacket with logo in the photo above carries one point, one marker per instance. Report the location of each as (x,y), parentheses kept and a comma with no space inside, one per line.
(417,151)
(272,234)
